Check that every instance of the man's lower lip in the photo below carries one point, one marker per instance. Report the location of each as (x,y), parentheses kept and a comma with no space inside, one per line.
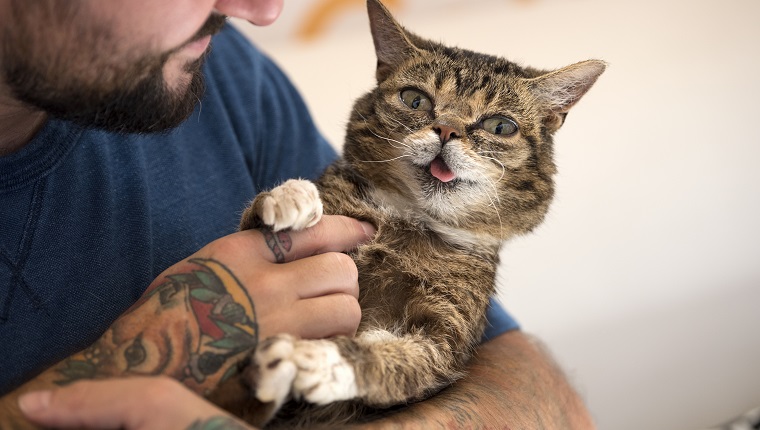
(199,46)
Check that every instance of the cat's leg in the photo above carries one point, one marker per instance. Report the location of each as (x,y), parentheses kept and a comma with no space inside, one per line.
(293,205)
(395,369)
(378,367)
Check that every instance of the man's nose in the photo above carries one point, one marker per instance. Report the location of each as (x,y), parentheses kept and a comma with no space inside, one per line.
(257,12)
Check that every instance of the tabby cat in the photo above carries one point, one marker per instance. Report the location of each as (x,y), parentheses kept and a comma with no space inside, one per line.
(449,156)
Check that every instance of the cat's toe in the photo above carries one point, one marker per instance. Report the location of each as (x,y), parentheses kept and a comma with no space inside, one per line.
(276,371)
(293,205)
(268,210)
(324,375)
(314,370)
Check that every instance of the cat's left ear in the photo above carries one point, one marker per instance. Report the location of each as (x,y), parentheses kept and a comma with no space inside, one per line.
(561,89)
(392,45)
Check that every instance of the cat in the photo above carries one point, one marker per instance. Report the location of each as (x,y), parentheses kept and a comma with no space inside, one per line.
(449,157)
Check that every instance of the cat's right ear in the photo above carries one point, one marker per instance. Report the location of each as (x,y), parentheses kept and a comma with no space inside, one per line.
(561,89)
(392,46)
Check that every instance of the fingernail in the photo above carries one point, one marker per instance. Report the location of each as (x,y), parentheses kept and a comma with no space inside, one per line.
(368,228)
(35,401)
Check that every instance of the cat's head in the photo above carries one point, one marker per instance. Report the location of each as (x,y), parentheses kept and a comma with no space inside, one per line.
(464,137)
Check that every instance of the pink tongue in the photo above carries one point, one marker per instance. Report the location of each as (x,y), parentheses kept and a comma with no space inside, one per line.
(440,170)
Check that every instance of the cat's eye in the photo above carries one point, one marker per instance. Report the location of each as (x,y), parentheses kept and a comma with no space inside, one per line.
(416,100)
(500,125)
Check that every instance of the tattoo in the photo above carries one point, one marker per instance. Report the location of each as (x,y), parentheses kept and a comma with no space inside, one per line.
(218,423)
(135,354)
(82,366)
(193,327)
(277,242)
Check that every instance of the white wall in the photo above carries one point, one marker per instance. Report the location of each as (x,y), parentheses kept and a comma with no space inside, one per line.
(645,278)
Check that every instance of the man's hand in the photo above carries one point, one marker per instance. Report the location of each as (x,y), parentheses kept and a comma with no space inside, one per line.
(202,315)
(300,282)
(131,404)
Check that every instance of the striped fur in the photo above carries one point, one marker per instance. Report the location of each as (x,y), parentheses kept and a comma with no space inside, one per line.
(426,279)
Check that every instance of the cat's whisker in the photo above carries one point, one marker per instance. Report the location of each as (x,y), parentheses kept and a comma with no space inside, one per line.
(494,203)
(495,190)
(397,146)
(401,124)
(498,216)
(492,152)
(384,161)
(503,167)
(391,141)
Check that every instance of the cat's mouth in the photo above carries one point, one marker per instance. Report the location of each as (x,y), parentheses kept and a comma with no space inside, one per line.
(440,170)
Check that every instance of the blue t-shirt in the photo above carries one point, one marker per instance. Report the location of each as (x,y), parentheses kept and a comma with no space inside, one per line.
(88,219)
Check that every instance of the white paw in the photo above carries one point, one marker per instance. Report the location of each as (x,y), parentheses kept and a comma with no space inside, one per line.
(324,376)
(312,370)
(294,204)
(276,372)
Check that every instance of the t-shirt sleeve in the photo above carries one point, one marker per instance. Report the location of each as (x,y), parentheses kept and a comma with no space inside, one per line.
(499,321)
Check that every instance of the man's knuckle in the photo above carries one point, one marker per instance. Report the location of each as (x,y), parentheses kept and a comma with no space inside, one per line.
(351,314)
(346,266)
(228,245)
(356,313)
(351,308)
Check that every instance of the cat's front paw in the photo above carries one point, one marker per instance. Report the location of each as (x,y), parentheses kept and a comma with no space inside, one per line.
(276,371)
(293,205)
(311,370)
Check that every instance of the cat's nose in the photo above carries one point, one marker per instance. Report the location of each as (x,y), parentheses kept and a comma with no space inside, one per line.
(446,132)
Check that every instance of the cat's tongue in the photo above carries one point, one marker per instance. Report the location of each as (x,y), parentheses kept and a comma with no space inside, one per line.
(440,170)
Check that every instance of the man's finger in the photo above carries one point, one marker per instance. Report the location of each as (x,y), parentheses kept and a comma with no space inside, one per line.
(85,404)
(128,403)
(319,275)
(332,234)
(326,316)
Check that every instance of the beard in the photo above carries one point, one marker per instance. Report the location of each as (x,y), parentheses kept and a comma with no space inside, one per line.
(75,83)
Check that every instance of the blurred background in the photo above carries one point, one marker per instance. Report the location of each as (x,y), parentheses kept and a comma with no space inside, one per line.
(645,278)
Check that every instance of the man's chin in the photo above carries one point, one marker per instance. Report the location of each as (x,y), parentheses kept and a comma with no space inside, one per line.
(150,107)
(179,73)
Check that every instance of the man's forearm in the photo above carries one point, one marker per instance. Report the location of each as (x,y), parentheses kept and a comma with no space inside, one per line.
(193,324)
(512,383)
